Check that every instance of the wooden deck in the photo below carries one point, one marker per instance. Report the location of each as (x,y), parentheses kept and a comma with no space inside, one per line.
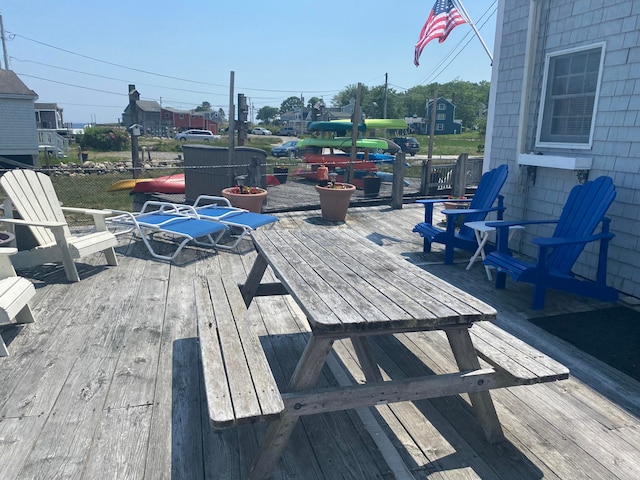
(107,382)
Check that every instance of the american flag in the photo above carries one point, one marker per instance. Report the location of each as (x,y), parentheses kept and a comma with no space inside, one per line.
(443,18)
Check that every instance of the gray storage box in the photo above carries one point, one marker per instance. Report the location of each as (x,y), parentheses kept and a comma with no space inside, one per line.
(207,169)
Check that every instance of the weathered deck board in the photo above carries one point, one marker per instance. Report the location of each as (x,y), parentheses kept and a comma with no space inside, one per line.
(107,382)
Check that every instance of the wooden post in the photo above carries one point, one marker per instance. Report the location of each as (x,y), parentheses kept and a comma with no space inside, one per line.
(397,188)
(459,184)
(133,113)
(355,122)
(254,174)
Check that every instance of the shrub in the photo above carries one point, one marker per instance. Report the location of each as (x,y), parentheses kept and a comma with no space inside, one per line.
(105,139)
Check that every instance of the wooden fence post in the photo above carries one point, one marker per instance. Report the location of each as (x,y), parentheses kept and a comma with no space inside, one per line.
(397,188)
(459,184)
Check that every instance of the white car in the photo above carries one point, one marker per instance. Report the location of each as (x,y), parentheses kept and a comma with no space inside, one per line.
(260,131)
(202,135)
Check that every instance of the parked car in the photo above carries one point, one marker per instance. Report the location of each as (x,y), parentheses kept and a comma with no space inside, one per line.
(408,144)
(287,149)
(194,134)
(260,131)
(287,132)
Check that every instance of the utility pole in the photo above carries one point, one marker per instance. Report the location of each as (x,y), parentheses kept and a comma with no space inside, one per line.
(4,45)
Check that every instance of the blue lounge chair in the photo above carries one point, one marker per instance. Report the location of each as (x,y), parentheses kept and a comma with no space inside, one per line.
(170,220)
(240,222)
(583,211)
(482,203)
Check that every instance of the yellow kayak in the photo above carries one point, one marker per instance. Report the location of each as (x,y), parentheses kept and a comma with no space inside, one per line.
(127,184)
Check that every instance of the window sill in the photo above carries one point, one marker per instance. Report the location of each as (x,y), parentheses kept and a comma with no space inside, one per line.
(554,161)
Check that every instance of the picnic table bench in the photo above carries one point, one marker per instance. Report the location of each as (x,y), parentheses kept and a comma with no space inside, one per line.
(240,387)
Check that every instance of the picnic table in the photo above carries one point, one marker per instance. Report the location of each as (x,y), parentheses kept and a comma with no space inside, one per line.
(351,288)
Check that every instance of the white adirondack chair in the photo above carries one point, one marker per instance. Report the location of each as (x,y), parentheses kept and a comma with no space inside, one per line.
(15,293)
(31,194)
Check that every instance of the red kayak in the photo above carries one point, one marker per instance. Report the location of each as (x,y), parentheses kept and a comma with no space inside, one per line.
(168,184)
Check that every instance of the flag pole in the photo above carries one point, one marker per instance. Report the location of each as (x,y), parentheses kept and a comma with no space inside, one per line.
(463,12)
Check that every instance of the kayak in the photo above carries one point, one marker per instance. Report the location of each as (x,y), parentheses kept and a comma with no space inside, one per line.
(342,143)
(168,184)
(369,124)
(126,184)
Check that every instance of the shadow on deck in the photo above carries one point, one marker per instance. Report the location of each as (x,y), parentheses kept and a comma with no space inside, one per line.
(108,384)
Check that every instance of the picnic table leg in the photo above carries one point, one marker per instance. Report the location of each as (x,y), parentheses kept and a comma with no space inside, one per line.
(367,361)
(304,377)
(250,287)
(466,358)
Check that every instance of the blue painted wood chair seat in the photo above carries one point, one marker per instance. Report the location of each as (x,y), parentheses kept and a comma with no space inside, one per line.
(481,205)
(584,210)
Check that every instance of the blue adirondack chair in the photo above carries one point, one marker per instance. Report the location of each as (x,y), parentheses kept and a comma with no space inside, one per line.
(482,203)
(583,211)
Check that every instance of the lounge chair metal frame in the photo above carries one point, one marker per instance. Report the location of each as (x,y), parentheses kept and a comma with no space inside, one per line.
(181,221)
(219,209)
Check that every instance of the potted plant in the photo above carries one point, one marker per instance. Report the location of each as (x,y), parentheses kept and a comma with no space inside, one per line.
(455,203)
(242,196)
(334,199)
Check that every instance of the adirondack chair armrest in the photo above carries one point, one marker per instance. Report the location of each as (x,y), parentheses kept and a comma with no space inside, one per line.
(17,221)
(6,267)
(559,241)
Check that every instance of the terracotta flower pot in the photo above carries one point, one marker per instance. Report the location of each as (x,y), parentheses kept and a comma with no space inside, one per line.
(335,201)
(249,201)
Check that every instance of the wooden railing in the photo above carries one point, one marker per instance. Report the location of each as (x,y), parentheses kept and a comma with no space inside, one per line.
(51,140)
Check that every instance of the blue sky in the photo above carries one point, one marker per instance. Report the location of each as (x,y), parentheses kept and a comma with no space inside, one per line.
(83,55)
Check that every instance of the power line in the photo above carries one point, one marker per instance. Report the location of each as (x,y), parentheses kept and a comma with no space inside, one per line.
(297,91)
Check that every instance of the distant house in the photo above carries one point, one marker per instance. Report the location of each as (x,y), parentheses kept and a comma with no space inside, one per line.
(446,123)
(49,116)
(18,132)
(298,118)
(148,115)
(186,119)
(565,107)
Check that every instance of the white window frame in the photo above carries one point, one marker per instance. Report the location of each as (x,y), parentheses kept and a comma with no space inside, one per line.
(441,116)
(439,127)
(442,106)
(546,87)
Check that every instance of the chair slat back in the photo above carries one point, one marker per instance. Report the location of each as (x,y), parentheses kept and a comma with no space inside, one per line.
(583,211)
(488,190)
(33,196)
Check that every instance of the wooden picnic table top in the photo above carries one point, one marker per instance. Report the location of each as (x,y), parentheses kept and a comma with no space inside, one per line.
(347,285)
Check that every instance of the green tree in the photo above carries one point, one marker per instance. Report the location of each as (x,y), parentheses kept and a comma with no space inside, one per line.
(204,107)
(291,104)
(313,101)
(267,114)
